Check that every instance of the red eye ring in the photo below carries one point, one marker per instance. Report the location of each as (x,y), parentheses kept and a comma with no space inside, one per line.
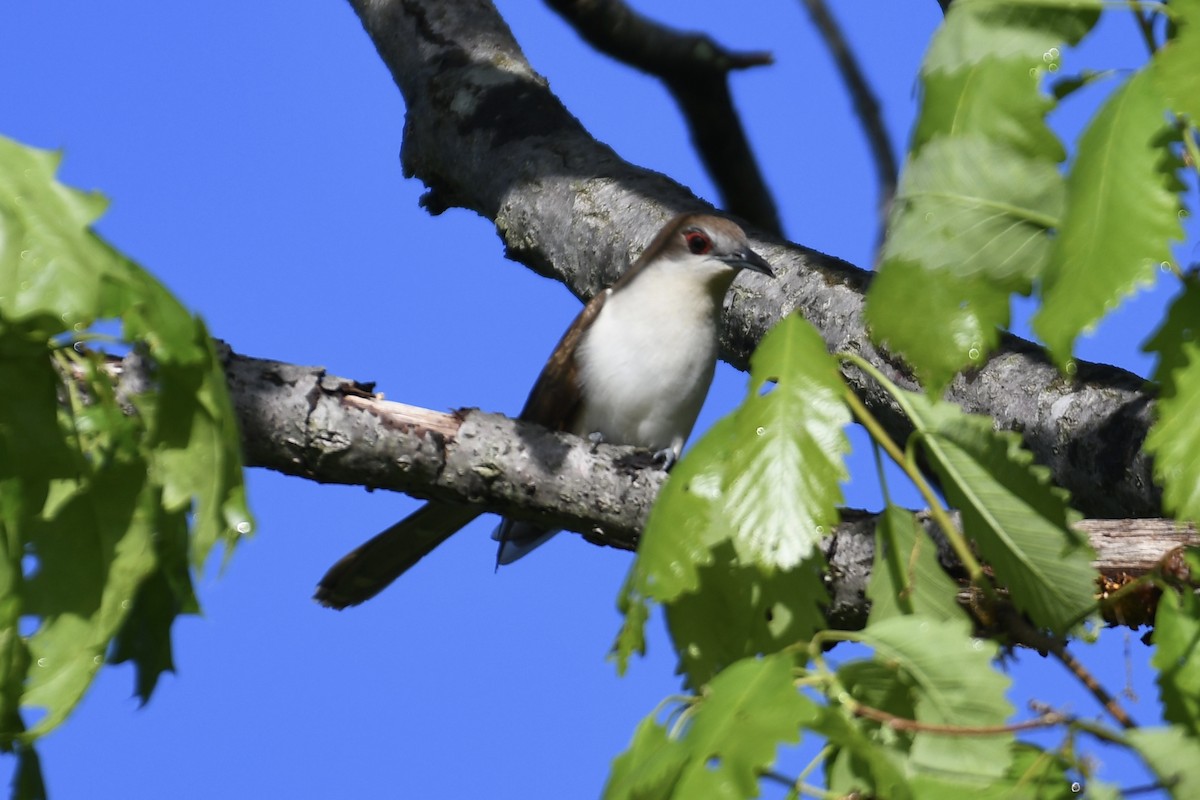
(697,242)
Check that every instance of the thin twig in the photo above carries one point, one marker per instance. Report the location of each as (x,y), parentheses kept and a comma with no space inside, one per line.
(695,69)
(1024,633)
(865,105)
(1145,23)
(1047,720)
(1089,681)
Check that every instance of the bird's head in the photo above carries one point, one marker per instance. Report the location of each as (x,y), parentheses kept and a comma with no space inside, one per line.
(712,247)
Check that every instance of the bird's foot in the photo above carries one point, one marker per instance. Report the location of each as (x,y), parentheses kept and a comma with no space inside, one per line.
(666,458)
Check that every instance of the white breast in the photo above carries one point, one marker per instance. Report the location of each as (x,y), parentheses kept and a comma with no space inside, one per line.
(647,361)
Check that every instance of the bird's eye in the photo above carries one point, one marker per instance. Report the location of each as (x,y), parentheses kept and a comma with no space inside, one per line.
(697,242)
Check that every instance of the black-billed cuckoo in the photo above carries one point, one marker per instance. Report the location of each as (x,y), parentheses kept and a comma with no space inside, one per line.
(632,369)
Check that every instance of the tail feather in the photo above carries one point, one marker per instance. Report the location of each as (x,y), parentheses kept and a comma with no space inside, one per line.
(368,569)
(518,539)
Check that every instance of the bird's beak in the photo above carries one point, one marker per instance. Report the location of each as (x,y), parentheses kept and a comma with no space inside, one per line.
(748,259)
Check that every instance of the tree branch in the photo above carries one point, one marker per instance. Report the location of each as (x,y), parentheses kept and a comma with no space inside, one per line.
(695,69)
(304,422)
(865,106)
(484,132)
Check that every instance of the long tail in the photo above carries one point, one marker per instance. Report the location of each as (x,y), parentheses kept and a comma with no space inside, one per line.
(368,569)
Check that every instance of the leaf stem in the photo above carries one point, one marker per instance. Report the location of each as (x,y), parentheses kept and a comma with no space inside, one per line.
(799,788)
(957,541)
(816,761)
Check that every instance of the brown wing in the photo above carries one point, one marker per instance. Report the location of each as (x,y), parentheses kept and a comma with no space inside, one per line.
(555,400)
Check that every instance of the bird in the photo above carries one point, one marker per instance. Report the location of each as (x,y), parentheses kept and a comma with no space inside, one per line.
(632,369)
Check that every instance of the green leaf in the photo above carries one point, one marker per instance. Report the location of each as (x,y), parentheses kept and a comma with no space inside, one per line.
(197,449)
(49,266)
(1019,520)
(866,758)
(650,768)
(1177,655)
(906,301)
(1173,755)
(631,638)
(1034,774)
(145,635)
(762,485)
(998,101)
(782,483)
(981,30)
(94,550)
(94,500)
(34,447)
(1122,211)
(977,209)
(1174,438)
(907,577)
(746,712)
(1176,66)
(731,737)
(981,190)
(740,610)
(765,478)
(952,683)
(969,227)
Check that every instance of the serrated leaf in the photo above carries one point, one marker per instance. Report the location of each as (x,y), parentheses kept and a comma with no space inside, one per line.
(93,553)
(1176,66)
(765,481)
(735,728)
(631,638)
(48,266)
(782,485)
(196,447)
(953,683)
(969,227)
(650,768)
(96,499)
(1173,755)
(981,30)
(1174,439)
(1177,657)
(687,521)
(906,301)
(145,636)
(739,611)
(1018,519)
(1033,775)
(1121,213)
(747,711)
(766,478)
(976,208)
(907,577)
(997,100)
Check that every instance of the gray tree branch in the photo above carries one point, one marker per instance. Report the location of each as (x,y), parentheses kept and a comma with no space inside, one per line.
(484,132)
(302,421)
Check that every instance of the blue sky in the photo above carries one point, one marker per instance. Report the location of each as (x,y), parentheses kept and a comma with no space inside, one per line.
(251,154)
